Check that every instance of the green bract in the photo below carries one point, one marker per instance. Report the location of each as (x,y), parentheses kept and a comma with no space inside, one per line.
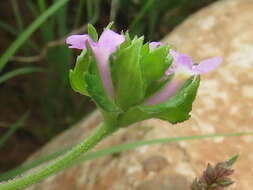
(77,76)
(127,75)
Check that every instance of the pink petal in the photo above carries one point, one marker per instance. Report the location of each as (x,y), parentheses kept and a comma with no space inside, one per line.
(184,60)
(78,41)
(110,40)
(102,58)
(106,45)
(166,93)
(181,59)
(207,65)
(153,45)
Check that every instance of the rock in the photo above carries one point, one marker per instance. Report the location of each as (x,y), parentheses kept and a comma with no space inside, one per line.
(164,183)
(224,105)
(154,163)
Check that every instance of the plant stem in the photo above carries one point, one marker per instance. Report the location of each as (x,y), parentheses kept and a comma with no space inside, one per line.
(59,164)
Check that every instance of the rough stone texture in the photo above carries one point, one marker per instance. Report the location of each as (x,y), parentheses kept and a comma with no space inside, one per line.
(224,105)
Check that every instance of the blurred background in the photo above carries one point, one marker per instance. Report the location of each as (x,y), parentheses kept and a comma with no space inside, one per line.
(36,100)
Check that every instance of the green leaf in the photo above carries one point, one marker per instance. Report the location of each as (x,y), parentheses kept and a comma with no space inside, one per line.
(145,50)
(95,86)
(76,76)
(92,32)
(126,43)
(232,160)
(109,26)
(154,64)
(127,76)
(177,108)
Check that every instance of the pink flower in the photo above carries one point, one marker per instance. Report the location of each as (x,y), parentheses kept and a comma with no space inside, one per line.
(182,67)
(108,43)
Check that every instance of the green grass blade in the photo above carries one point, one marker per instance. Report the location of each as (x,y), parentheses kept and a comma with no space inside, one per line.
(62,16)
(18,72)
(30,4)
(14,32)
(143,11)
(93,10)
(8,28)
(133,145)
(108,151)
(12,129)
(42,5)
(89,9)
(114,10)
(79,12)
(96,15)
(47,30)
(59,59)
(27,166)
(17,15)
(28,32)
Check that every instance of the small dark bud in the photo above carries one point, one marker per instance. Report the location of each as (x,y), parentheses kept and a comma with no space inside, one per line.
(215,177)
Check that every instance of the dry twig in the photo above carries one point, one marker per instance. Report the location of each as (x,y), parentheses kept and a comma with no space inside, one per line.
(44,50)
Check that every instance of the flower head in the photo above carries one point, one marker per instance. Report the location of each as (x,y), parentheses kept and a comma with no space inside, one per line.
(138,80)
(108,43)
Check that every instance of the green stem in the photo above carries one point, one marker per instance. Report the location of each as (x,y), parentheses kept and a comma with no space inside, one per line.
(59,164)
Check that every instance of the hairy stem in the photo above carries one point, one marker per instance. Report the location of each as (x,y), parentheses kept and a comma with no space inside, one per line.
(22,182)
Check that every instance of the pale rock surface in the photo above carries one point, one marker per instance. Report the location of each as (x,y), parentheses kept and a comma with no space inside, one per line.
(224,105)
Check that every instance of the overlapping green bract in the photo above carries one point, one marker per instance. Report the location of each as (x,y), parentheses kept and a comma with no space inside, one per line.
(137,72)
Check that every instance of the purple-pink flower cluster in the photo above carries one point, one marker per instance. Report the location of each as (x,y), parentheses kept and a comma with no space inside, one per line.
(182,66)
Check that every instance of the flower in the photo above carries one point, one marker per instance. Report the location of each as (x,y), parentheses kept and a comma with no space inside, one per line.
(184,63)
(107,44)
(182,67)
